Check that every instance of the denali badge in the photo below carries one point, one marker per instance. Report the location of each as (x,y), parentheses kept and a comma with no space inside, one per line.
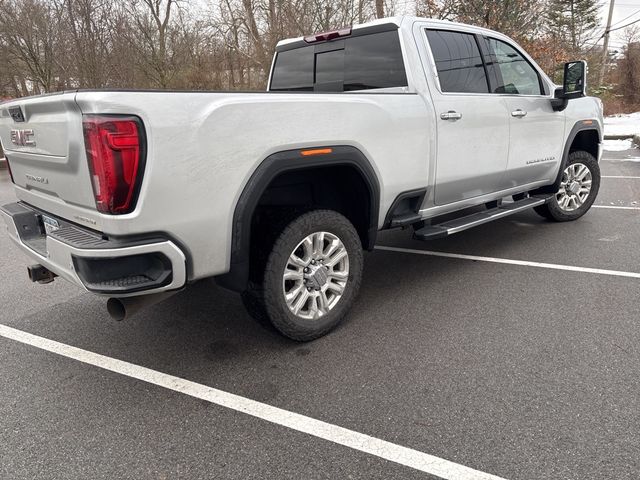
(23,138)
(33,178)
(541,160)
(85,219)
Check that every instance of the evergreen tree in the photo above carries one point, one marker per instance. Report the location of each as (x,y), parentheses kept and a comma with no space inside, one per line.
(573,22)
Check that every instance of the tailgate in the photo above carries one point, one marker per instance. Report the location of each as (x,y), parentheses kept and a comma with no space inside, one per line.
(42,139)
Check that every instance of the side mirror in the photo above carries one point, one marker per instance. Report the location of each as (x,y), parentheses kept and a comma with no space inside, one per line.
(574,84)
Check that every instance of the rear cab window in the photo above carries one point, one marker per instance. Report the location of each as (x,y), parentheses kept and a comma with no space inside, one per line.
(458,62)
(359,62)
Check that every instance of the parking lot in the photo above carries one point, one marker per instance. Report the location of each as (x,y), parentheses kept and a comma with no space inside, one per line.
(511,349)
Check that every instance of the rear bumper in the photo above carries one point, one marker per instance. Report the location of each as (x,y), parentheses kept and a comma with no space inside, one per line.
(102,265)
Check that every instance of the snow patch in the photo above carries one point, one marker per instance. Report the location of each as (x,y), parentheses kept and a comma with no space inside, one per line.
(617,145)
(622,124)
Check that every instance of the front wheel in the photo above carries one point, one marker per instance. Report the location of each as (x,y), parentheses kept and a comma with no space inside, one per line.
(578,189)
(312,275)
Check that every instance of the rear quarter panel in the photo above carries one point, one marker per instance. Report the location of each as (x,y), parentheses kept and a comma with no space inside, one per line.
(203,148)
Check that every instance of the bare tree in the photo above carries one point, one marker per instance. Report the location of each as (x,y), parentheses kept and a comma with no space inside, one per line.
(29,33)
(517,18)
(153,37)
(379,8)
(444,10)
(629,68)
(88,60)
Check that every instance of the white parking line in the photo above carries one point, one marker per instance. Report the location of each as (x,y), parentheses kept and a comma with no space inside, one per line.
(618,160)
(524,263)
(620,176)
(317,428)
(614,207)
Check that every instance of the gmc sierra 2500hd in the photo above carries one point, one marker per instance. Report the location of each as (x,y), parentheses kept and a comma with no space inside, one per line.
(135,194)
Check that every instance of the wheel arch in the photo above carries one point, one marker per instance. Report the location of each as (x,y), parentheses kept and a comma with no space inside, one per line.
(584,135)
(271,168)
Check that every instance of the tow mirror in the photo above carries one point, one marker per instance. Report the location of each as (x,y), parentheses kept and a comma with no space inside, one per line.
(574,84)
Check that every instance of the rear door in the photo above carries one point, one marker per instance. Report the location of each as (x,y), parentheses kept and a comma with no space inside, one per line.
(42,140)
(472,123)
(536,130)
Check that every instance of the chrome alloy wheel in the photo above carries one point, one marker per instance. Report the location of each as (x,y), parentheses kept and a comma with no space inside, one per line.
(316,275)
(574,188)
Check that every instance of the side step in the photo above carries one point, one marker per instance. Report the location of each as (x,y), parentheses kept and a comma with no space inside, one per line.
(433,232)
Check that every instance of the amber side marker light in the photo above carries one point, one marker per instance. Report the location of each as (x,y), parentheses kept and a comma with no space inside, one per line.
(316,151)
(587,122)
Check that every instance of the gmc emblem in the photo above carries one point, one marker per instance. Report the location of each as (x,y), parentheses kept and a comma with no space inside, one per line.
(23,138)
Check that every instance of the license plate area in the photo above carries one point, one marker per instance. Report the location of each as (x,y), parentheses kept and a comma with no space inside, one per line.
(50,224)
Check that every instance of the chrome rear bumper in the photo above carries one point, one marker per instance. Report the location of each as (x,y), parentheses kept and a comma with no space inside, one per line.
(95,262)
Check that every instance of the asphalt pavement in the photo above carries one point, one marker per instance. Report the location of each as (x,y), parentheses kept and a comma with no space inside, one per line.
(520,371)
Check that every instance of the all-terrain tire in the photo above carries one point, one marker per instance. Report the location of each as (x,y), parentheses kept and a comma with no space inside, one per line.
(553,210)
(272,292)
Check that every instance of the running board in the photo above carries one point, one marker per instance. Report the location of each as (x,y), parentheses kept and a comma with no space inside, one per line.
(433,232)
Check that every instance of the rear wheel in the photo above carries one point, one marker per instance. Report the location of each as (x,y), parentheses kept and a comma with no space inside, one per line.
(578,189)
(311,277)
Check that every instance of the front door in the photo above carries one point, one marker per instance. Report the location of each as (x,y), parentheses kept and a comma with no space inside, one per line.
(536,130)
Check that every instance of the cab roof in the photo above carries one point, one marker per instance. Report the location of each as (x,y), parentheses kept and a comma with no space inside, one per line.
(397,21)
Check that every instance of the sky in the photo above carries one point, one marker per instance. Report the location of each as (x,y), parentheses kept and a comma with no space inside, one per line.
(621,10)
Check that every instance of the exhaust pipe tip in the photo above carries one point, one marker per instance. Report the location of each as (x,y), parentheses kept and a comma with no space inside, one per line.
(122,308)
(116,309)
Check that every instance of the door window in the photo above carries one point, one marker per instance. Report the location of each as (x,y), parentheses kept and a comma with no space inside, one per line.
(515,75)
(458,61)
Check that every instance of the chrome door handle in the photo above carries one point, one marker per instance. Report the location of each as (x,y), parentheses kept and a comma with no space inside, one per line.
(519,113)
(451,115)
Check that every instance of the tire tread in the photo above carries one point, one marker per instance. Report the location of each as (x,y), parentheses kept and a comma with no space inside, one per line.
(277,311)
(552,211)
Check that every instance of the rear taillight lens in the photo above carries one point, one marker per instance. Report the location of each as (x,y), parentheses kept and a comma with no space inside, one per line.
(115,148)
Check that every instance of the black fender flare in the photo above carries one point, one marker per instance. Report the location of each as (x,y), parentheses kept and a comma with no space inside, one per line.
(275,164)
(580,126)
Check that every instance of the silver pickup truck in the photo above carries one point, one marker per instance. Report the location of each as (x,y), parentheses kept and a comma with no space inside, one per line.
(400,122)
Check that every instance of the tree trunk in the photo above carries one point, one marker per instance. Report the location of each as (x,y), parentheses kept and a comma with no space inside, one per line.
(379,8)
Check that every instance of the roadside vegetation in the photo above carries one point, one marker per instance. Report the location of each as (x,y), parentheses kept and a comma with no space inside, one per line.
(51,45)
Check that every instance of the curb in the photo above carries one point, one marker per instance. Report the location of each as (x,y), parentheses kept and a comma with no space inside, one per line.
(619,137)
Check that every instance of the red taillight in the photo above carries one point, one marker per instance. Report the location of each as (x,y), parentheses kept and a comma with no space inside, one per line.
(115,150)
(6,159)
